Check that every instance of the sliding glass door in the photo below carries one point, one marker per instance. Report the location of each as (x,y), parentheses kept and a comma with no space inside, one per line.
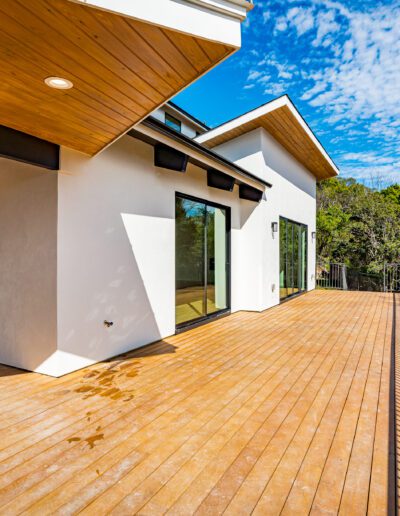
(202,259)
(293,258)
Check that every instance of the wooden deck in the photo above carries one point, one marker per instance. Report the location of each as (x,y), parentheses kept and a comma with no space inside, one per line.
(283,412)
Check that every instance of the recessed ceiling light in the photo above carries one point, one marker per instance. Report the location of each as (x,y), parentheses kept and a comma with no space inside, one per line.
(59,83)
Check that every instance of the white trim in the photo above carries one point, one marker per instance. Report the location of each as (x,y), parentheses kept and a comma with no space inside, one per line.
(236,8)
(258,113)
(197,19)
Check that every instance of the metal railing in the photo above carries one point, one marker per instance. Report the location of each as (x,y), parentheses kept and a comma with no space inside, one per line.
(331,275)
(341,277)
(391,277)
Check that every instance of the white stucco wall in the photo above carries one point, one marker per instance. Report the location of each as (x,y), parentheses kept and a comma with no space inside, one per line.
(28,260)
(293,196)
(115,255)
(116,249)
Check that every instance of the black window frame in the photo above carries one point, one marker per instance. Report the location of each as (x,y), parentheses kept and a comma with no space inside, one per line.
(225,311)
(300,292)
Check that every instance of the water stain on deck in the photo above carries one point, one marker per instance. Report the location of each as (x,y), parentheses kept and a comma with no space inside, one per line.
(109,381)
(91,440)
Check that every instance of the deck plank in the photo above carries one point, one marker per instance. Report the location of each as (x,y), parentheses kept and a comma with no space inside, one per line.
(285,411)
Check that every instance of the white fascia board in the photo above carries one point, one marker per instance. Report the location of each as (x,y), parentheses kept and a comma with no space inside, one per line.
(209,162)
(196,18)
(259,112)
(235,8)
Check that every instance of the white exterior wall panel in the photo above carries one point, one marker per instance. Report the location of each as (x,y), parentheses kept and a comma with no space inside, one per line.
(115,255)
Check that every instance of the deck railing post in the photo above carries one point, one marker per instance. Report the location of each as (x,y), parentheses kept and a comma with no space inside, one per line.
(384,277)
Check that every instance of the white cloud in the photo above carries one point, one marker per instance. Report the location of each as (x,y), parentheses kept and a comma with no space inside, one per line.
(254,74)
(326,25)
(281,24)
(300,18)
(275,89)
(266,16)
(363,85)
(369,158)
(265,78)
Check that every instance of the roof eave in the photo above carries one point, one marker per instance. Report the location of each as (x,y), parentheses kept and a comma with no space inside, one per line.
(212,137)
(164,134)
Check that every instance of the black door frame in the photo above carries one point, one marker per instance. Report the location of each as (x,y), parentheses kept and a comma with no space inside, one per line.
(300,291)
(224,311)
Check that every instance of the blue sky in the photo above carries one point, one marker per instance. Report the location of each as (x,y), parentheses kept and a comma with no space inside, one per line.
(340,64)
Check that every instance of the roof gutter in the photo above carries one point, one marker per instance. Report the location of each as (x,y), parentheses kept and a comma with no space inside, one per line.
(150,128)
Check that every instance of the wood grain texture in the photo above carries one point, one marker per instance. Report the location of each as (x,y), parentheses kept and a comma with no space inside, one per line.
(122,69)
(284,127)
(280,412)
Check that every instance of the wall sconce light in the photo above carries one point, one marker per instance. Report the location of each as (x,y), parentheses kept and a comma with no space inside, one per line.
(313,235)
(274,227)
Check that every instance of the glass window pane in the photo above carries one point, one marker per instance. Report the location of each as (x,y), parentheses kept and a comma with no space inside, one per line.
(303,258)
(173,122)
(293,258)
(296,264)
(190,272)
(282,259)
(216,260)
(289,258)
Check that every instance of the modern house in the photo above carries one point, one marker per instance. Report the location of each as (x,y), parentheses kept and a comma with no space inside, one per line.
(124,219)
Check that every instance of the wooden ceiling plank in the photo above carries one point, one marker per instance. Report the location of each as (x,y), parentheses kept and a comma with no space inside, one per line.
(52,105)
(298,145)
(85,26)
(45,48)
(156,39)
(214,51)
(136,54)
(122,69)
(32,112)
(192,51)
(54,29)
(12,51)
(74,141)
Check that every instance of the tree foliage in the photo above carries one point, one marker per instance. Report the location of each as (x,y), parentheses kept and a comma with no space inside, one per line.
(356,225)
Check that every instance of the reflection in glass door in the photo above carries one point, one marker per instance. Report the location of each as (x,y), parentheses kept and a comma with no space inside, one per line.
(293,258)
(202,266)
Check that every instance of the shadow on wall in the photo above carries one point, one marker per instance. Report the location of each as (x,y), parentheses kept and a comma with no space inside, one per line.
(247,208)
(134,270)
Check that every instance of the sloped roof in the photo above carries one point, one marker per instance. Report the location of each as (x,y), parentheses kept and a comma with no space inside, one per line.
(282,120)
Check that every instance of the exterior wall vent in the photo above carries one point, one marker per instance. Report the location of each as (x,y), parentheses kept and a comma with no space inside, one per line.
(217,179)
(169,158)
(249,193)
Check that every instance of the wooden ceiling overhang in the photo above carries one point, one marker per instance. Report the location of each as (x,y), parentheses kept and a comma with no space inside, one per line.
(281,120)
(121,68)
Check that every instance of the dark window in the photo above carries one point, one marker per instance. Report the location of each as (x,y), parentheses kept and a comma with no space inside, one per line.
(293,258)
(172,122)
(202,259)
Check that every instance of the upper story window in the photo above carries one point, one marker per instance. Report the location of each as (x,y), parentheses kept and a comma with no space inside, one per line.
(173,122)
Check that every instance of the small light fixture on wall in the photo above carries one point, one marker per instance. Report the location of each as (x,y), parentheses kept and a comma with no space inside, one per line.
(274,227)
(313,235)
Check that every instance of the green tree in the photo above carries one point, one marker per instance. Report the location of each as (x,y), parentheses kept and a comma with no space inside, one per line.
(357,225)
(392,193)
